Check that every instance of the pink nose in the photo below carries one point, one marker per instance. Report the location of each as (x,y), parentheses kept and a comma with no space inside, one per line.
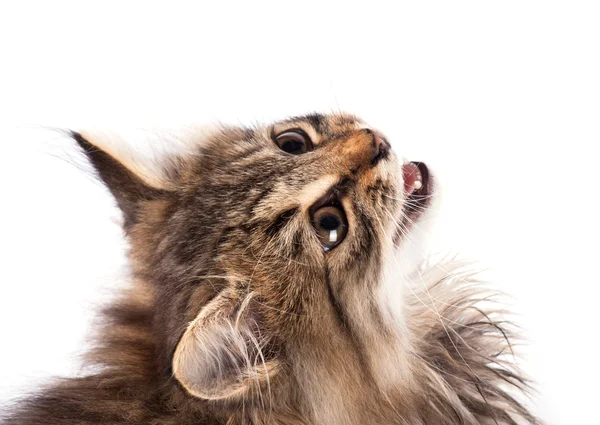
(381,148)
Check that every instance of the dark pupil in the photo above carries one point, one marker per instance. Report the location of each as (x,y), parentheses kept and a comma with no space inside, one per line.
(329,222)
(292,146)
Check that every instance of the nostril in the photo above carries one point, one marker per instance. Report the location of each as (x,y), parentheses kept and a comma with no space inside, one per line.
(381,147)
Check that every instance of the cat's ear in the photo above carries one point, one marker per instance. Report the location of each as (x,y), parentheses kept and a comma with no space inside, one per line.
(222,354)
(128,180)
(137,166)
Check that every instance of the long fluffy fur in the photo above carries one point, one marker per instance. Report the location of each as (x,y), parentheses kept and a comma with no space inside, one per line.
(465,372)
(237,315)
(466,349)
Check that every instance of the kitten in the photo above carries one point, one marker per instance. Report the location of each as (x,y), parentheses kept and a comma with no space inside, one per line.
(272,284)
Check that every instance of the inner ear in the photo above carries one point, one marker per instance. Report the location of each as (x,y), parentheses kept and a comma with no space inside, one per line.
(223,353)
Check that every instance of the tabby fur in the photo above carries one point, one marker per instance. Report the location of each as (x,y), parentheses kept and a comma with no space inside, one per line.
(236,315)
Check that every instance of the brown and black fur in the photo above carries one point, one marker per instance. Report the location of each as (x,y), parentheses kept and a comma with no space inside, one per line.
(222,230)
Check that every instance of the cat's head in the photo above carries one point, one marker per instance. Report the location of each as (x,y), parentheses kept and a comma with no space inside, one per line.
(276,257)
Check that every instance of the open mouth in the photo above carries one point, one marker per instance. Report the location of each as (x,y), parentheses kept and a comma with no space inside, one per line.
(417,190)
(416,186)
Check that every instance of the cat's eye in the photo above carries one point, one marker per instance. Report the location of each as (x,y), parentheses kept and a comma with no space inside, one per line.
(331,225)
(294,142)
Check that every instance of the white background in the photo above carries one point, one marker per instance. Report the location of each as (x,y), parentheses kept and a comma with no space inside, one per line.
(501,98)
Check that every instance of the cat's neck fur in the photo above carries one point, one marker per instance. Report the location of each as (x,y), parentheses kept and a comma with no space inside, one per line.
(456,373)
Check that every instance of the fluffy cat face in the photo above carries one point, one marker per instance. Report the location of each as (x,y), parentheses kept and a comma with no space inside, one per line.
(270,254)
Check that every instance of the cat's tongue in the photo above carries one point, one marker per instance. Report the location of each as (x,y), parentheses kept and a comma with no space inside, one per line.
(413,180)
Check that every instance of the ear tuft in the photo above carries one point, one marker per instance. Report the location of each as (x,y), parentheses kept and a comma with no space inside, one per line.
(221,354)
